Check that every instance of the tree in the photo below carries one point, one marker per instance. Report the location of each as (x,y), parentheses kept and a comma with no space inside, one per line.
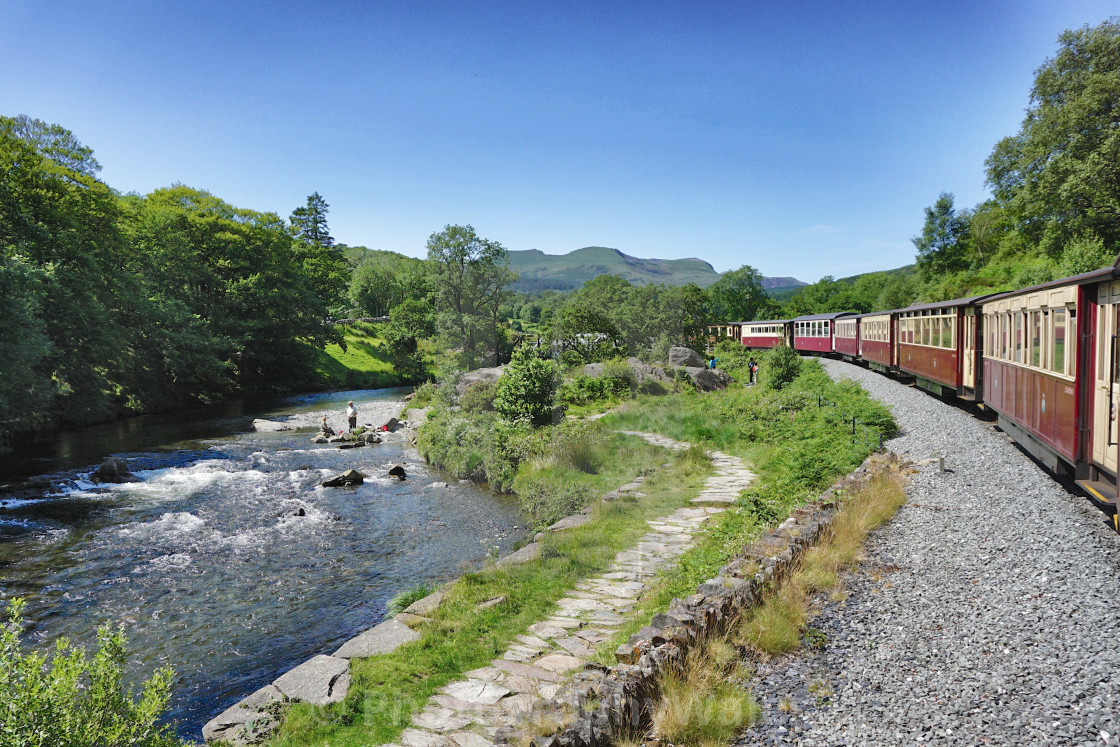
(53,142)
(471,276)
(942,245)
(738,296)
(309,223)
(586,333)
(1059,175)
(527,388)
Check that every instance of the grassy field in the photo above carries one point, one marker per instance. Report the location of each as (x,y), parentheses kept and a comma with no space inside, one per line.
(361,365)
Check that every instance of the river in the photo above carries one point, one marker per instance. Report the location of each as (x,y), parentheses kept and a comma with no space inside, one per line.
(226,559)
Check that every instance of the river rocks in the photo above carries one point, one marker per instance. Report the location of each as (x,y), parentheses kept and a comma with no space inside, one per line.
(271,426)
(352,445)
(438,485)
(370,437)
(113,469)
(531,551)
(427,605)
(380,639)
(347,478)
(247,722)
(397,471)
(684,357)
(319,439)
(318,681)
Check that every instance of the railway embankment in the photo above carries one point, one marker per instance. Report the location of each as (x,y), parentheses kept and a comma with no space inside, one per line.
(985,613)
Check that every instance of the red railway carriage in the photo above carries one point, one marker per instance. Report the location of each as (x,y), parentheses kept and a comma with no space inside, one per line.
(939,345)
(845,337)
(1055,397)
(876,340)
(765,334)
(813,333)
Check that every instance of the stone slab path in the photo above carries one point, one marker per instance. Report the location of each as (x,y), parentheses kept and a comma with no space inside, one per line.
(470,711)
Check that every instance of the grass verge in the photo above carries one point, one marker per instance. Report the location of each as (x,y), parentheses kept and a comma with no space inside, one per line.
(777,626)
(387,690)
(707,701)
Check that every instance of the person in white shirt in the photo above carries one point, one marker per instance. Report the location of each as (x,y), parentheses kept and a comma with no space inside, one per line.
(352,414)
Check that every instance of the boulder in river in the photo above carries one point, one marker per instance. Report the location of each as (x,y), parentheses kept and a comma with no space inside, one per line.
(113,469)
(319,439)
(397,471)
(351,445)
(349,477)
(370,437)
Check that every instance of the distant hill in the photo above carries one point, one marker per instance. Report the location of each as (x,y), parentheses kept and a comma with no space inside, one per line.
(540,271)
(779,283)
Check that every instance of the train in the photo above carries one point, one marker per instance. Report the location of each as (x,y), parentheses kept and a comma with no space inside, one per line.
(1043,359)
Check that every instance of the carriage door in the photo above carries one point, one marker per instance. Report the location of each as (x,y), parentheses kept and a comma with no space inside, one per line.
(1106,377)
(968,349)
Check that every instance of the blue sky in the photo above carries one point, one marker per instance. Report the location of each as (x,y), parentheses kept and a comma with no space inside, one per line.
(803,138)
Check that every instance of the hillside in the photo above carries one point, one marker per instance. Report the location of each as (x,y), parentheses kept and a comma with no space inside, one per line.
(540,271)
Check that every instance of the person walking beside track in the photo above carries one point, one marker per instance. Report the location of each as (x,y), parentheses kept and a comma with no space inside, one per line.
(351,415)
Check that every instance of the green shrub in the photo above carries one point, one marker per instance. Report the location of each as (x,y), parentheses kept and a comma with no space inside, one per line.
(479,397)
(67,700)
(482,447)
(527,389)
(778,366)
(424,395)
(547,495)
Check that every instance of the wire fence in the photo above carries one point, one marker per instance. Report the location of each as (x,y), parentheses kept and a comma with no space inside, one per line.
(870,433)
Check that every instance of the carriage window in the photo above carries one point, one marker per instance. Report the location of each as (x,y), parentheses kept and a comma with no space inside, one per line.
(925,332)
(1036,339)
(1005,336)
(1058,342)
(1017,338)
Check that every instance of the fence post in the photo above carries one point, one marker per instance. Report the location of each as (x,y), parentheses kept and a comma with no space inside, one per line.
(853,425)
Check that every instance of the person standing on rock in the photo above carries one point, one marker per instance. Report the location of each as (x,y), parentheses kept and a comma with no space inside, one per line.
(352,414)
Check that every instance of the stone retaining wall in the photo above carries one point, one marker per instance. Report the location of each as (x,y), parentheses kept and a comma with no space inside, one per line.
(619,700)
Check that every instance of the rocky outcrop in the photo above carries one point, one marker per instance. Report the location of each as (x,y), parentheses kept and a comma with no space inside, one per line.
(683,357)
(113,469)
(479,374)
(708,379)
(642,371)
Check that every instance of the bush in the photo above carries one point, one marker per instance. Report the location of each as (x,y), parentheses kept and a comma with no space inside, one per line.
(482,448)
(71,701)
(527,389)
(423,395)
(779,366)
(547,495)
(479,397)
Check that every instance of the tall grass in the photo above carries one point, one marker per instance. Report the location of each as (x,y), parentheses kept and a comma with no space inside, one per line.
(775,627)
(704,702)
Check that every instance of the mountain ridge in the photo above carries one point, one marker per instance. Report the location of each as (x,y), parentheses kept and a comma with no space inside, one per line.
(540,271)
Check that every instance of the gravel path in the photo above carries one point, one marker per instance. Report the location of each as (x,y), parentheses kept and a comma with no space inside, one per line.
(987,612)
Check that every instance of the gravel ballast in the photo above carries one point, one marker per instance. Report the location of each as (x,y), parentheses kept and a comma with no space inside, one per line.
(987,611)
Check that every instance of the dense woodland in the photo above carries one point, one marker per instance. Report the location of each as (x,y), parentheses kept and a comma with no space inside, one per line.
(113,304)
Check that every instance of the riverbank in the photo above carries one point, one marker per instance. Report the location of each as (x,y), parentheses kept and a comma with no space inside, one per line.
(363,365)
(798,448)
(227,559)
